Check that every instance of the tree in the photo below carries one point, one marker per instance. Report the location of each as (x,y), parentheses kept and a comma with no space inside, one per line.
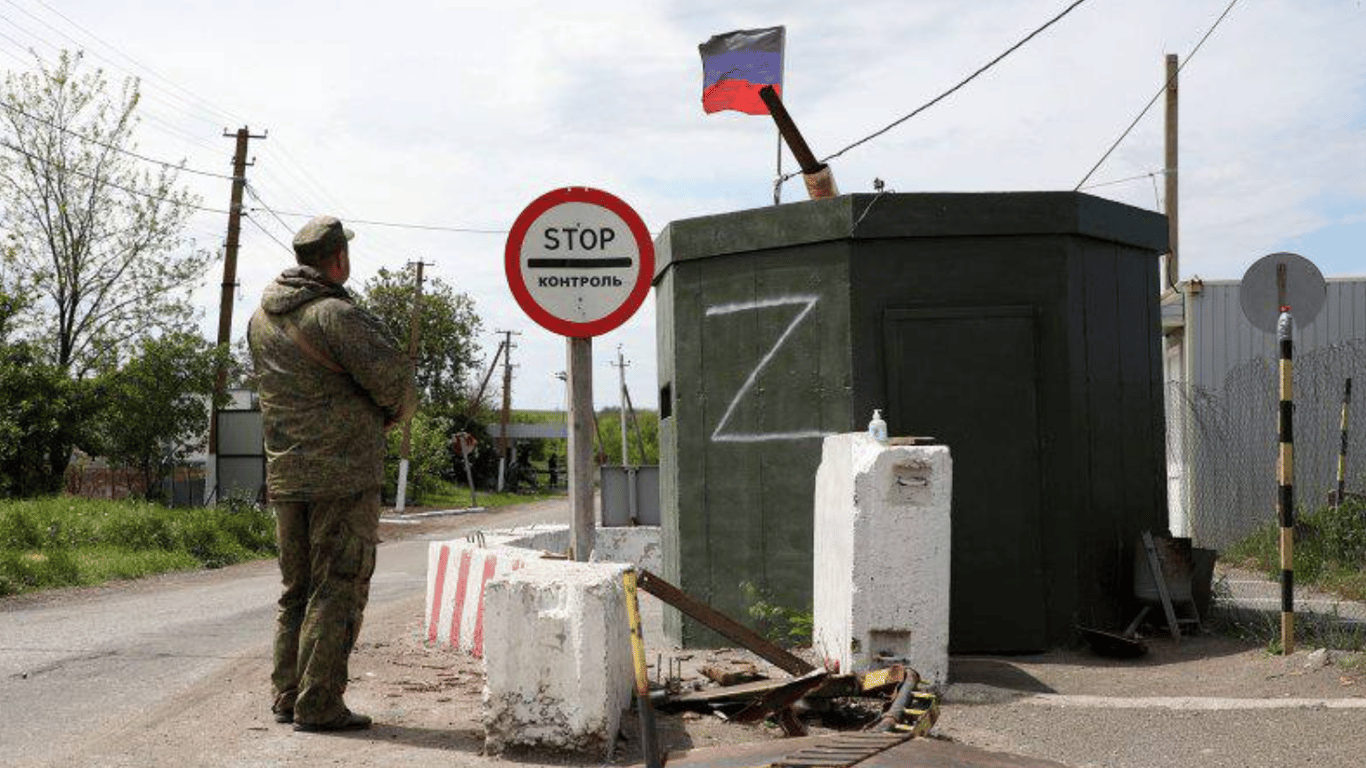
(43,412)
(447,326)
(90,231)
(156,404)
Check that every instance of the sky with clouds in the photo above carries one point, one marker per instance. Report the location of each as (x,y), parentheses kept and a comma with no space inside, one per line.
(457,115)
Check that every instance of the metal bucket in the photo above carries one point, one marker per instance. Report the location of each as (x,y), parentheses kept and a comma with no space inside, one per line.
(1178,566)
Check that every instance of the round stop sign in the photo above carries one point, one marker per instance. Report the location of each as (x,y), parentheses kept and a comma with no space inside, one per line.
(579,261)
(464,442)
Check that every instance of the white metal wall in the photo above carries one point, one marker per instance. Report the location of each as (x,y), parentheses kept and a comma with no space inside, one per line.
(1221,423)
(1223,339)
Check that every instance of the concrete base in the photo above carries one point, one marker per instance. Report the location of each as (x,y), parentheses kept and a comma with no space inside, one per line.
(558,663)
(553,633)
(881,555)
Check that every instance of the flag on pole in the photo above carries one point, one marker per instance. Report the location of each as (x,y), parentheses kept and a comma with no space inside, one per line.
(735,65)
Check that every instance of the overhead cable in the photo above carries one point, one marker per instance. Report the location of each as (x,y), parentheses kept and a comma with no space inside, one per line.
(268,234)
(1157,95)
(113,147)
(107,182)
(950,91)
(397,225)
(204,102)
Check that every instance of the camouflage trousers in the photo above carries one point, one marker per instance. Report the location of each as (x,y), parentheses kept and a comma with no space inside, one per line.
(327,556)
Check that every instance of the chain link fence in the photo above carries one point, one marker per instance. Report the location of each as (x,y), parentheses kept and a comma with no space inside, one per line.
(1222,447)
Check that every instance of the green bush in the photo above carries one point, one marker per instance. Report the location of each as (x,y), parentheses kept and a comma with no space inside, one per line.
(780,624)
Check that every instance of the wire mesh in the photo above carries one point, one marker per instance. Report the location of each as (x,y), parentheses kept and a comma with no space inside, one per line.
(1222,447)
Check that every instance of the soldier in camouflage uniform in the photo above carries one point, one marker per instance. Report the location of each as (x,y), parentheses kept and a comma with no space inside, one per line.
(331,382)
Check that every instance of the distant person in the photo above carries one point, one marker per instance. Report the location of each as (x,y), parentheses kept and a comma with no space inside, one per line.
(331,383)
(554,466)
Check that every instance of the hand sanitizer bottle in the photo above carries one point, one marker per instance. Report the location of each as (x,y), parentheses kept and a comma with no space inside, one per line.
(877,428)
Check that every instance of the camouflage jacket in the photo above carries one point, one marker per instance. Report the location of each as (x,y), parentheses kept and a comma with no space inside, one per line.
(329,379)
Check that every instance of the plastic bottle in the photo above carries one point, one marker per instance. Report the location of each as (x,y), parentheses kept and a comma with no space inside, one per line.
(877,428)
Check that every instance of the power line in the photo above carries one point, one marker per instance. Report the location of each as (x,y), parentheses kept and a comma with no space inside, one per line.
(950,91)
(1126,179)
(268,234)
(252,191)
(1160,91)
(204,102)
(78,45)
(397,225)
(106,145)
(107,182)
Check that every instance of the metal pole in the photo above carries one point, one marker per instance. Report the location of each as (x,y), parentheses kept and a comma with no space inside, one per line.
(1170,166)
(1284,335)
(469,474)
(778,178)
(1342,449)
(507,407)
(405,451)
(649,738)
(621,370)
(580,459)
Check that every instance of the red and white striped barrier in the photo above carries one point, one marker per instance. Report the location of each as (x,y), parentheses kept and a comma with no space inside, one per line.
(457,573)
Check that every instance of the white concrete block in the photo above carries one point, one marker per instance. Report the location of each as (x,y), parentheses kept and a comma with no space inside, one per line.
(558,662)
(633,545)
(881,555)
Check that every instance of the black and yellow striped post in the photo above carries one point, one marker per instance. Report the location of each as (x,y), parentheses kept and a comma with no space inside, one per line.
(649,737)
(1342,447)
(1284,334)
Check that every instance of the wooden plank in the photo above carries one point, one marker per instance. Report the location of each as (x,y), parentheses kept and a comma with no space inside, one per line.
(723,624)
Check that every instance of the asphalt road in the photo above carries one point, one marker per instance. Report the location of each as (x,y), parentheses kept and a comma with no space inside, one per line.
(77,664)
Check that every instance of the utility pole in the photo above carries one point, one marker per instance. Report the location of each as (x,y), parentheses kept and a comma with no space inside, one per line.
(405,450)
(1170,166)
(220,381)
(506,416)
(620,365)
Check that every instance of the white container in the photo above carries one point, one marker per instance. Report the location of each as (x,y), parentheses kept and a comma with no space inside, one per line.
(877,428)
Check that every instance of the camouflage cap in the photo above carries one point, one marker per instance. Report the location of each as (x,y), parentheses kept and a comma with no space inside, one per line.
(320,238)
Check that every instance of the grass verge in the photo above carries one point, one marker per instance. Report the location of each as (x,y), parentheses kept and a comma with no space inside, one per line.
(1330,556)
(451,496)
(66,541)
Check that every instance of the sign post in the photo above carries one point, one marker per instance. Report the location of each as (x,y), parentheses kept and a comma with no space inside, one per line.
(579,262)
(1290,280)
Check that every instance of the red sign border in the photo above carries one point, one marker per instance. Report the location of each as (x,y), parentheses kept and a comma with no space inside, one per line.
(512,261)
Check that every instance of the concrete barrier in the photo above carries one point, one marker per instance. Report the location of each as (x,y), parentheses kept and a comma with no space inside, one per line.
(558,661)
(553,633)
(881,555)
(457,574)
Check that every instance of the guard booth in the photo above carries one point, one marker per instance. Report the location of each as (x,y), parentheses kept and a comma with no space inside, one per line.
(1020,329)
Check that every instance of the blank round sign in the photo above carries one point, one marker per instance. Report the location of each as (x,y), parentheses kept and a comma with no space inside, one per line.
(1259,293)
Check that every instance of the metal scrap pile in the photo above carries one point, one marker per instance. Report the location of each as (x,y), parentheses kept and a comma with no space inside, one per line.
(744,696)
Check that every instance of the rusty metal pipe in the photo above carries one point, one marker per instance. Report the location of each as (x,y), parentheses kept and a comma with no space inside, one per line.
(892,716)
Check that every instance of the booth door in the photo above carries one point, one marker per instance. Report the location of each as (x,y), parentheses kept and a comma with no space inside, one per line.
(969,378)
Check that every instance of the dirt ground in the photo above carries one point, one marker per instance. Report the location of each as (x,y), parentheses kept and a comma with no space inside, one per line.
(437,693)
(427,702)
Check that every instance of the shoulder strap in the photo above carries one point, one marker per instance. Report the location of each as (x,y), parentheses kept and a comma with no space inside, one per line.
(292,331)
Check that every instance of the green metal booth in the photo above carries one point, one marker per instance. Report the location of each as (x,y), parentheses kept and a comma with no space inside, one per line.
(1020,329)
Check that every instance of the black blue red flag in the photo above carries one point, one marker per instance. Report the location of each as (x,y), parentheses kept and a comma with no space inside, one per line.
(737,64)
